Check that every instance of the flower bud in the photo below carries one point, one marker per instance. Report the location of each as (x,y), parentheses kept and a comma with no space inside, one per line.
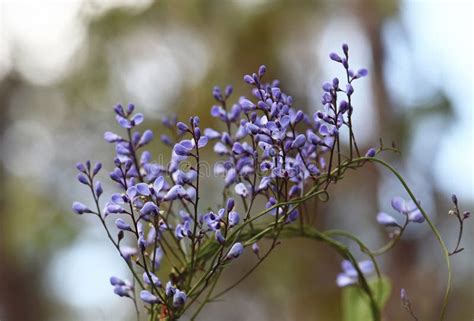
(454,198)
(179,298)
(219,237)
(182,126)
(235,251)
(371,152)
(249,80)
(349,89)
(334,56)
(83,179)
(147,297)
(230,204)
(98,189)
(80,208)
(228,91)
(345,49)
(256,249)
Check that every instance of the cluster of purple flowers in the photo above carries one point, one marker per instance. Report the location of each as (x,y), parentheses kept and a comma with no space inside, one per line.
(269,150)
(140,204)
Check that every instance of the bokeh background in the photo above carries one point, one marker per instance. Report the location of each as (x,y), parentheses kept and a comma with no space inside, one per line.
(64,64)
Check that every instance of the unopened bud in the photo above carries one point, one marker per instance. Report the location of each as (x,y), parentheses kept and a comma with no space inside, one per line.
(454,199)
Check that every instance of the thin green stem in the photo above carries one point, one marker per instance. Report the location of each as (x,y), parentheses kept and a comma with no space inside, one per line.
(433,228)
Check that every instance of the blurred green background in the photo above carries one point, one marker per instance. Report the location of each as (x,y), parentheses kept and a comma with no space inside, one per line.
(64,64)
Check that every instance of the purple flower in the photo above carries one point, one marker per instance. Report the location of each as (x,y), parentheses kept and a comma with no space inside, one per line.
(146,138)
(169,289)
(233,218)
(182,126)
(371,152)
(123,291)
(127,252)
(154,278)
(130,108)
(82,179)
(183,230)
(217,93)
(408,208)
(143,189)
(293,216)
(362,73)
(256,249)
(345,48)
(235,251)
(416,216)
(219,237)
(334,56)
(343,106)
(242,190)
(211,133)
(228,91)
(121,287)
(349,89)
(327,86)
(295,190)
(112,208)
(122,225)
(349,275)
(230,177)
(166,140)
(213,220)
(177,191)
(230,204)
(202,141)
(80,208)
(147,297)
(220,149)
(137,119)
(96,169)
(249,80)
(247,105)
(158,256)
(123,122)
(403,295)
(116,281)
(98,189)
(299,141)
(80,167)
(386,219)
(179,298)
(149,208)
(264,183)
(181,150)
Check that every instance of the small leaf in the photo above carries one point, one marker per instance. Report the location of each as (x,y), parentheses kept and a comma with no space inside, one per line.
(356,303)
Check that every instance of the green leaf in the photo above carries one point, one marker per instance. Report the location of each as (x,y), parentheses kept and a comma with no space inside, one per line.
(356,303)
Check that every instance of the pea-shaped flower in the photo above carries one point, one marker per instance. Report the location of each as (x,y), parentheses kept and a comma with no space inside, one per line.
(235,251)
